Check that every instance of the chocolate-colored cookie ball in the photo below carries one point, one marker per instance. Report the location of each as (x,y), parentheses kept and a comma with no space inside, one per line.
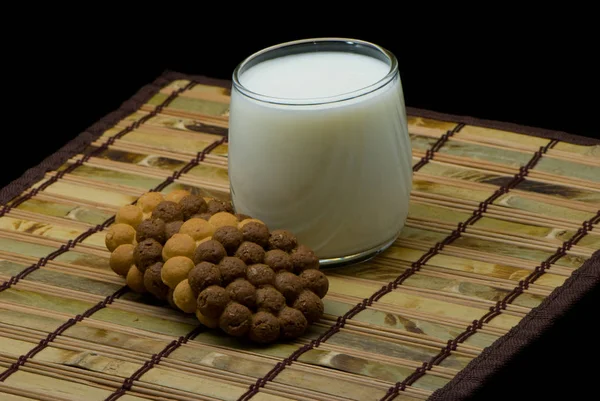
(151,228)
(282,239)
(135,280)
(260,275)
(242,217)
(121,259)
(203,216)
(175,270)
(172,228)
(167,211)
(221,219)
(196,228)
(250,253)
(203,275)
(269,299)
(289,285)
(310,305)
(209,251)
(292,323)
(315,281)
(264,328)
(119,234)
(184,297)
(243,292)
(191,205)
(179,245)
(235,320)
(303,258)
(177,195)
(216,206)
(278,260)
(129,214)
(153,281)
(230,237)
(147,253)
(231,268)
(170,299)
(209,322)
(257,233)
(212,301)
(148,201)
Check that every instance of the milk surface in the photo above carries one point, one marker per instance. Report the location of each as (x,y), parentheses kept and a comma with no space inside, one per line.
(337,174)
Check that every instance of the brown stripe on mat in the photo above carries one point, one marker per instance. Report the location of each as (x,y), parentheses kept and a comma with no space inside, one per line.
(415,267)
(109,299)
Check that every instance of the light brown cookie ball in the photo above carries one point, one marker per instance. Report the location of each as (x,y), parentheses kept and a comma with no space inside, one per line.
(191,205)
(230,237)
(221,219)
(147,253)
(289,285)
(211,323)
(196,228)
(247,220)
(148,201)
(203,275)
(176,195)
(172,228)
(167,211)
(151,228)
(264,328)
(269,299)
(175,270)
(235,320)
(315,281)
(121,259)
(216,206)
(212,301)
(243,292)
(303,258)
(184,297)
(209,251)
(310,305)
(119,234)
(256,232)
(203,216)
(179,245)
(153,281)
(250,253)
(231,268)
(282,239)
(129,214)
(135,280)
(292,323)
(278,260)
(260,275)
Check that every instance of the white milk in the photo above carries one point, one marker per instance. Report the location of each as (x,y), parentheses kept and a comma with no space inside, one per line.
(337,174)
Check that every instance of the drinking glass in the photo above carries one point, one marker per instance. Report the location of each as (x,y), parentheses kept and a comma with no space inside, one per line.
(319,145)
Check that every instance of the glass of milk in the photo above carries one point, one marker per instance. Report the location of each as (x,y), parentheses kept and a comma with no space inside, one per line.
(319,145)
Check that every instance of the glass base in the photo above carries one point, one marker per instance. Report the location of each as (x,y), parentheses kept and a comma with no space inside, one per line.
(358,257)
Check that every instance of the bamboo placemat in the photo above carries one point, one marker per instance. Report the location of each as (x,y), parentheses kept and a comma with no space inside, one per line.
(501,238)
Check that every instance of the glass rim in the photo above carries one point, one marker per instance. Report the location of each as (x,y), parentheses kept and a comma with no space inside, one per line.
(393,71)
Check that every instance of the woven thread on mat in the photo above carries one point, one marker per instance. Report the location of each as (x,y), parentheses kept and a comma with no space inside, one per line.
(109,299)
(341,320)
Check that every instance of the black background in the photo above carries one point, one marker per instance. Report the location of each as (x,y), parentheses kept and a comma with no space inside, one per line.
(69,74)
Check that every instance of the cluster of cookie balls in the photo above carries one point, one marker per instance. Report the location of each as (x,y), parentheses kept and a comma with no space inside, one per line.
(227,268)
